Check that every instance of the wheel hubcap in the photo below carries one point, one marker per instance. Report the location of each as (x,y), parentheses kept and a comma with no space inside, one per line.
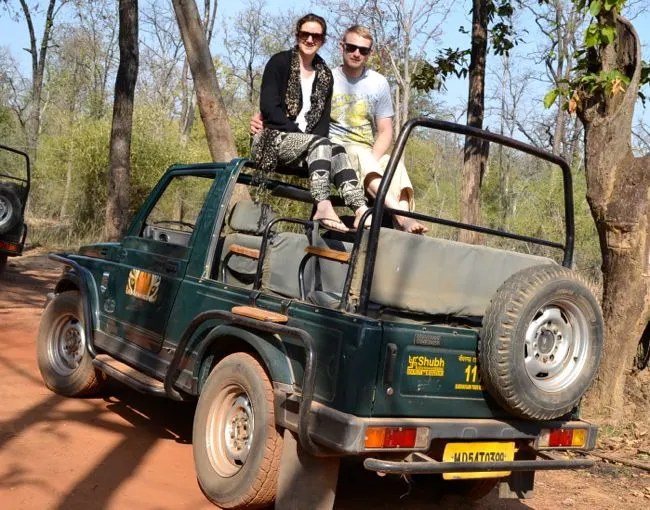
(556,345)
(231,423)
(5,210)
(67,345)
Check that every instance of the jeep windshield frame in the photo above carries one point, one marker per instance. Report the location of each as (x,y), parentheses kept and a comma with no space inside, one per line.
(379,207)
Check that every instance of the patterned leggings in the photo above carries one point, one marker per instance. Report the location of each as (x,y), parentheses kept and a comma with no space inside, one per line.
(327,163)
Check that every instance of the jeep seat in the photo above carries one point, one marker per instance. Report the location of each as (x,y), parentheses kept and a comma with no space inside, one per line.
(247,220)
(324,279)
(440,277)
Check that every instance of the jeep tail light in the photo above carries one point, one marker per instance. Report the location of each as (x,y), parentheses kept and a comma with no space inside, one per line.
(12,247)
(563,438)
(397,437)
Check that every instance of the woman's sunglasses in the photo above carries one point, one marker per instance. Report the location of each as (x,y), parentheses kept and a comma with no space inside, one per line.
(304,36)
(351,48)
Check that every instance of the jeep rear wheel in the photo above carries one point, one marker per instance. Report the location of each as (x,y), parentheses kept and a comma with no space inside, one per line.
(541,342)
(236,444)
(10,209)
(61,348)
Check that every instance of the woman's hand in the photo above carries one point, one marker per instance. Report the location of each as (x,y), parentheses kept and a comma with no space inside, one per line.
(256,124)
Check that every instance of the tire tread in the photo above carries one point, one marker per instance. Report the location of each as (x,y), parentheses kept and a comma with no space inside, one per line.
(496,337)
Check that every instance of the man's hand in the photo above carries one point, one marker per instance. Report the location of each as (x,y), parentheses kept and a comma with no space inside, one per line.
(256,124)
(383,138)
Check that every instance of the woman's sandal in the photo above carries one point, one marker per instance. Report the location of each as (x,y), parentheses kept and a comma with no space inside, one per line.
(333,224)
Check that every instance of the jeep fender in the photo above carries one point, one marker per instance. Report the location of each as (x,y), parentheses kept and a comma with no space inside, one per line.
(79,278)
(268,347)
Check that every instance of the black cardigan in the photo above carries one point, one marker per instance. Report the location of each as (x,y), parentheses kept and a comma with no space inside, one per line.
(272,94)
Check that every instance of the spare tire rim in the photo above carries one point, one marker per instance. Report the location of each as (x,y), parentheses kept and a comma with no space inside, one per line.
(6,210)
(66,345)
(229,434)
(556,345)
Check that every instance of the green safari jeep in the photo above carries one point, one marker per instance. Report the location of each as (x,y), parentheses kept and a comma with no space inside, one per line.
(419,355)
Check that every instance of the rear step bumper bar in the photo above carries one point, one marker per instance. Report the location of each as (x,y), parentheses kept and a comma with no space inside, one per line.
(432,467)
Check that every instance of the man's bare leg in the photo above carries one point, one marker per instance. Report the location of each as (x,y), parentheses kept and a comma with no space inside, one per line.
(406,224)
(327,216)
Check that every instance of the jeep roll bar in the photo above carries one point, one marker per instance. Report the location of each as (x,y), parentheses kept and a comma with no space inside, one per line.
(379,207)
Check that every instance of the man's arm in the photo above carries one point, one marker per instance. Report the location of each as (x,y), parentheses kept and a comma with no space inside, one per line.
(384,137)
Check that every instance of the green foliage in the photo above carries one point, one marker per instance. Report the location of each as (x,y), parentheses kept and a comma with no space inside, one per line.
(81,151)
(8,125)
(589,80)
(448,61)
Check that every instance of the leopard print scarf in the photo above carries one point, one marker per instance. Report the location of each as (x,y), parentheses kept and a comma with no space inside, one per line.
(266,153)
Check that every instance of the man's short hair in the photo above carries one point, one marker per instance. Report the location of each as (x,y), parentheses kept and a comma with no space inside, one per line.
(359,30)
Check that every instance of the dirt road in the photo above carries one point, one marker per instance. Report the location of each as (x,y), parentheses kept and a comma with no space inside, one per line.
(127,451)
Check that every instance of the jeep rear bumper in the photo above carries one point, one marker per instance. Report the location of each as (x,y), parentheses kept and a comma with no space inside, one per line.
(345,433)
(414,466)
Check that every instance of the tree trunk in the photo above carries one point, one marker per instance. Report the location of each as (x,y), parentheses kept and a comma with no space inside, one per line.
(475,157)
(117,205)
(187,105)
(33,124)
(213,111)
(618,190)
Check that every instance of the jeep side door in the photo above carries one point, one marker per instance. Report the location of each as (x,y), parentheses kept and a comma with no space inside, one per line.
(138,290)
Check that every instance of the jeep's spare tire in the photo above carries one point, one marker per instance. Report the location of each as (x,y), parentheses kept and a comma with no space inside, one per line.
(541,342)
(10,209)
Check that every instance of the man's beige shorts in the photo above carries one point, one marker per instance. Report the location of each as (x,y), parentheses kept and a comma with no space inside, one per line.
(365,164)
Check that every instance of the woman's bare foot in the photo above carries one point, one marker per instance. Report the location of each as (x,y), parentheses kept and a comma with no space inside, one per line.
(327,217)
(357,217)
(410,225)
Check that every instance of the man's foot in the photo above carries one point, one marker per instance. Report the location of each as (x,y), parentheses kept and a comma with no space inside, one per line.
(410,225)
(333,224)
(357,217)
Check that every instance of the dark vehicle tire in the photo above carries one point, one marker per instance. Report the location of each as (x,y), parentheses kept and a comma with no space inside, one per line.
(3,262)
(470,490)
(10,209)
(236,444)
(61,349)
(541,342)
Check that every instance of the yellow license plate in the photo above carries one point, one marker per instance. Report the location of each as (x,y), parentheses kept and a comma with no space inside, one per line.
(478,452)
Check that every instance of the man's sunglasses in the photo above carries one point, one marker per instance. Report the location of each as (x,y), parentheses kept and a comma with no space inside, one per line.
(304,36)
(351,48)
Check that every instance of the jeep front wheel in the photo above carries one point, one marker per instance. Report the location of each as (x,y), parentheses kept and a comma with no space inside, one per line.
(541,342)
(61,348)
(236,444)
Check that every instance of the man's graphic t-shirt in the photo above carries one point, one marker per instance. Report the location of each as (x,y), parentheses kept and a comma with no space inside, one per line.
(356,103)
